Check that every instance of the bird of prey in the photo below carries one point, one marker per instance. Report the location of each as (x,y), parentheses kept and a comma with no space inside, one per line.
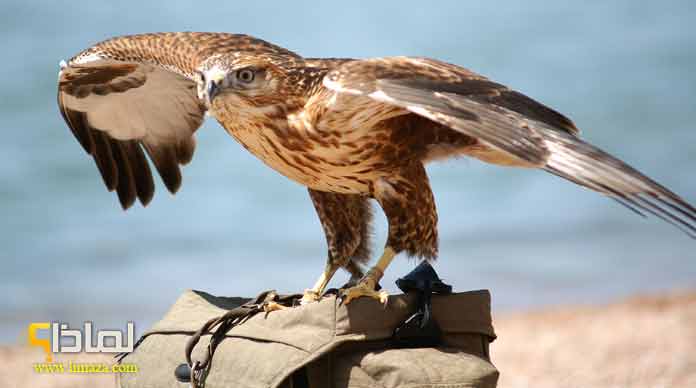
(350,130)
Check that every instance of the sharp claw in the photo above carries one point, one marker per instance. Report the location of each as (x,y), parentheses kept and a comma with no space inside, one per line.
(273,306)
(384,298)
(310,296)
(362,289)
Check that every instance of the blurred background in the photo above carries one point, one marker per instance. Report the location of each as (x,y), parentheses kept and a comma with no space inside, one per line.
(623,71)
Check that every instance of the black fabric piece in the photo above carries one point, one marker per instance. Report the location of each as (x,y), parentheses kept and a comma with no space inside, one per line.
(300,379)
(419,330)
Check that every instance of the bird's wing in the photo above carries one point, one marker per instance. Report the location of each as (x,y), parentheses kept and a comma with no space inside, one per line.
(508,121)
(121,103)
(115,107)
(454,97)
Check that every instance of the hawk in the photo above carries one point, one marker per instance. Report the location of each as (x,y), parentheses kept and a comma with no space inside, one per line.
(350,130)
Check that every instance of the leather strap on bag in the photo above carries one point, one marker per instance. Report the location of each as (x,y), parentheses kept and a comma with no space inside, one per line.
(218,327)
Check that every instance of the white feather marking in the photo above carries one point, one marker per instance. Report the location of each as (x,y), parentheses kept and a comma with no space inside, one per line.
(333,85)
(332,100)
(381,96)
(384,189)
(426,113)
(217,74)
(62,65)
(419,61)
(300,121)
(91,57)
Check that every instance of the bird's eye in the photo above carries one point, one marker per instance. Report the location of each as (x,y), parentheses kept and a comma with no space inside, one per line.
(246,75)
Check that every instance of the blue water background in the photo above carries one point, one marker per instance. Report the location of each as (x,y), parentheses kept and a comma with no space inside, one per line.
(625,71)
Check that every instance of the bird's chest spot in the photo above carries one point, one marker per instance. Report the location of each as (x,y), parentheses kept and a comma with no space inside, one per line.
(327,161)
(321,154)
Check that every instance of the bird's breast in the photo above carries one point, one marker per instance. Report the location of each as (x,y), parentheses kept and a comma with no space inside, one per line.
(327,159)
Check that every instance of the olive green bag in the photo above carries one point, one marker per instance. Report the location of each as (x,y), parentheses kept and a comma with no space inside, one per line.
(319,345)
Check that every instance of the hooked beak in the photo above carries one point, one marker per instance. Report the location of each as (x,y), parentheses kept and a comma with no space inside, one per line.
(212,88)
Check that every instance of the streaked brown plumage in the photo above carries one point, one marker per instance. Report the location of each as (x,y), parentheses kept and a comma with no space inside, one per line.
(349,130)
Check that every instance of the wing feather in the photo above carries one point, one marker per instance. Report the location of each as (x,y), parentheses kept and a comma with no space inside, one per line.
(75,121)
(455,97)
(144,183)
(105,161)
(166,162)
(116,107)
(126,187)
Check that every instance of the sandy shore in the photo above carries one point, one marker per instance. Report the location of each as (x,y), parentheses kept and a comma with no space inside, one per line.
(647,342)
(642,342)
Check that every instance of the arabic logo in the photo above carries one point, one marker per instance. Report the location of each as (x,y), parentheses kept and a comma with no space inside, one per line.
(81,340)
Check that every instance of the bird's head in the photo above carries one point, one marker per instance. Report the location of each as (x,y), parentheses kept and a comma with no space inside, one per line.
(239,82)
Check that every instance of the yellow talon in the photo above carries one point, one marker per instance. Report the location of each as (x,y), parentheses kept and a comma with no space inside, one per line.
(366,285)
(314,294)
(364,289)
(309,296)
(273,306)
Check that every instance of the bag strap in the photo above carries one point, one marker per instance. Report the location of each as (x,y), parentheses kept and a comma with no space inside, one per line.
(218,327)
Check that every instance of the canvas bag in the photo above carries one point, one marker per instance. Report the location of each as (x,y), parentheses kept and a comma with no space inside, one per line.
(323,344)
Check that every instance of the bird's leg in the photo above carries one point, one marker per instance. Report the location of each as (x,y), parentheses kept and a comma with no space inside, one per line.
(366,286)
(356,273)
(408,203)
(345,219)
(313,294)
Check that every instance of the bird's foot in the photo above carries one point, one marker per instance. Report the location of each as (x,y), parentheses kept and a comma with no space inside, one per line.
(365,287)
(273,306)
(310,296)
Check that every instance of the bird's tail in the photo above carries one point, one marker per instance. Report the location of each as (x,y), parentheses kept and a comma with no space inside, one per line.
(587,165)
